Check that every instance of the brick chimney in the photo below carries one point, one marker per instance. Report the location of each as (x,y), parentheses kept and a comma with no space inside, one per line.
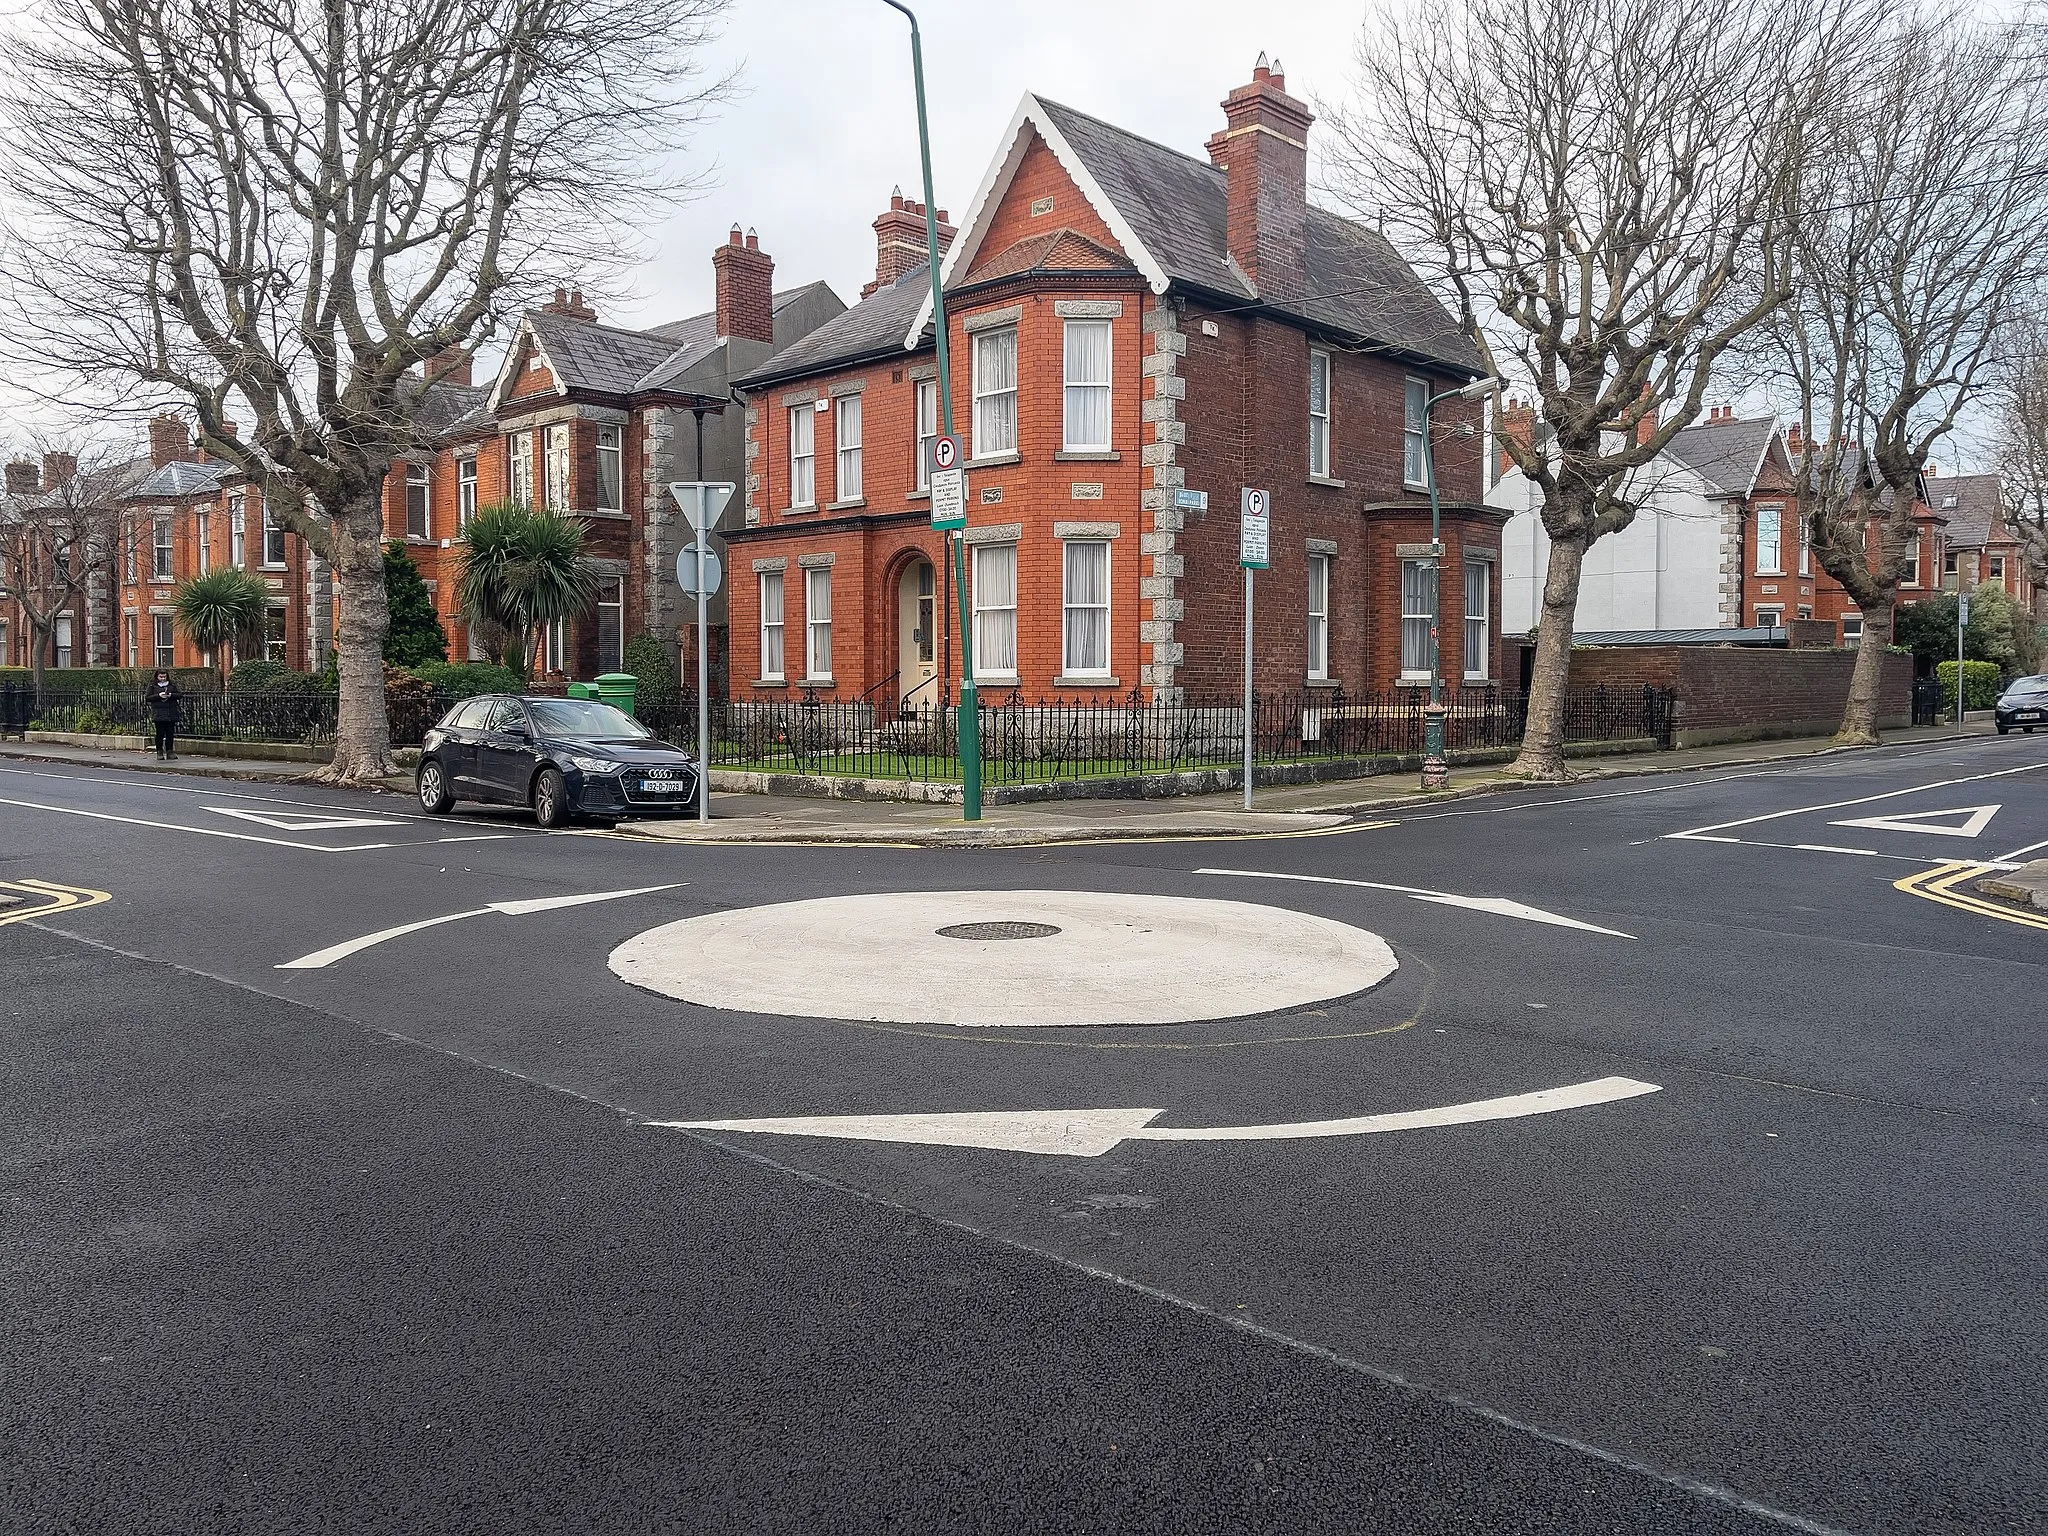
(1647,427)
(22,479)
(169,442)
(1517,423)
(57,468)
(900,242)
(450,367)
(746,288)
(1795,440)
(569,302)
(1263,153)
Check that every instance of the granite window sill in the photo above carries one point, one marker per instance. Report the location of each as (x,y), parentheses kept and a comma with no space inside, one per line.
(1087,456)
(996,460)
(846,506)
(1086,682)
(1329,481)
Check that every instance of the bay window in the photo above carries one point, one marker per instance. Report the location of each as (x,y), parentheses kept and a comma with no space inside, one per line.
(1084,645)
(1086,407)
(1418,610)
(611,480)
(555,450)
(1478,618)
(995,392)
(160,549)
(519,467)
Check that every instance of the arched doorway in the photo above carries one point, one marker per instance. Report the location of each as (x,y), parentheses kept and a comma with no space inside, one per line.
(916,632)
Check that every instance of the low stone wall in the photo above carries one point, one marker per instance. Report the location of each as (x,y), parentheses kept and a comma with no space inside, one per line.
(196,746)
(1747,693)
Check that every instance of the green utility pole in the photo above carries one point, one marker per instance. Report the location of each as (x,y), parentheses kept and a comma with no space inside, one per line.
(1436,774)
(970,703)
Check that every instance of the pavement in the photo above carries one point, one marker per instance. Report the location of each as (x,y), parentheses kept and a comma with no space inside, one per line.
(2027,885)
(1299,808)
(1683,1176)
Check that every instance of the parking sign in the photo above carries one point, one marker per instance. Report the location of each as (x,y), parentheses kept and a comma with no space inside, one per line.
(1255,525)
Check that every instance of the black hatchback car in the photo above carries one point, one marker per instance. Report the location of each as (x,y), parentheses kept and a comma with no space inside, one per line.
(2024,704)
(563,757)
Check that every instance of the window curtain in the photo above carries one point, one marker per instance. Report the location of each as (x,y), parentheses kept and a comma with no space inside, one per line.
(995,392)
(1087,408)
(995,608)
(1476,573)
(1418,587)
(1087,607)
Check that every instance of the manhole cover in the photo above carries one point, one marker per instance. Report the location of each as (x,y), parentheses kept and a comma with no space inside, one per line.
(998,931)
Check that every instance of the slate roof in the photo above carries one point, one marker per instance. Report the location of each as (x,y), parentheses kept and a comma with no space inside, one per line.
(1727,454)
(876,325)
(610,359)
(444,408)
(183,480)
(1975,512)
(1358,284)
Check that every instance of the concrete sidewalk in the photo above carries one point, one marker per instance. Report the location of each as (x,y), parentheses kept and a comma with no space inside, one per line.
(2026,886)
(1299,809)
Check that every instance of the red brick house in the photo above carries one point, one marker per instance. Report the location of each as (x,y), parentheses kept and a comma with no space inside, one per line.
(1127,323)
(1983,546)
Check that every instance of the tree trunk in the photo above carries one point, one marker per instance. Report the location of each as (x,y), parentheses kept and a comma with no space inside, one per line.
(362,734)
(1542,754)
(1866,679)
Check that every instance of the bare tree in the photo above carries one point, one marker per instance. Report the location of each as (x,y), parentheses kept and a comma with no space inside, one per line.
(1921,246)
(2020,425)
(281,207)
(1603,189)
(57,537)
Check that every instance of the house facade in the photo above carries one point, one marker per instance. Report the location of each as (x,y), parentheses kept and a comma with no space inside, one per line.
(1983,545)
(1128,325)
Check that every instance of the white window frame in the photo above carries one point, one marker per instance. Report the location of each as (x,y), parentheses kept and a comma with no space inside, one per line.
(273,532)
(1070,666)
(1319,434)
(1086,391)
(1805,545)
(555,647)
(1422,614)
(1912,577)
(1775,547)
(1996,564)
(817,628)
(1415,432)
(998,614)
(63,640)
(275,647)
(203,541)
(161,567)
(995,407)
(465,492)
(128,557)
(416,479)
(1770,616)
(1318,637)
(131,631)
(1852,631)
(238,530)
(163,642)
(519,468)
(611,448)
(803,455)
(772,586)
(1479,642)
(846,419)
(927,409)
(556,466)
(611,599)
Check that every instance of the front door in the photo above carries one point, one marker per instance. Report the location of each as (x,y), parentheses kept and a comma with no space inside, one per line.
(916,630)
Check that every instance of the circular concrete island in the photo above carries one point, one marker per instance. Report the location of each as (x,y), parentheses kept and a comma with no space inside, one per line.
(984,958)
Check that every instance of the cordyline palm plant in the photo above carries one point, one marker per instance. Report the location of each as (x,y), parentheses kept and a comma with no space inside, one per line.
(523,568)
(220,609)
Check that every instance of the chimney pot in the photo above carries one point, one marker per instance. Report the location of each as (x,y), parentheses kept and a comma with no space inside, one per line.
(900,244)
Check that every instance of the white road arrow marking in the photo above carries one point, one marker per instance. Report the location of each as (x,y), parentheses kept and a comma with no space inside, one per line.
(320,959)
(302,821)
(1092,1132)
(1500,906)
(1975,819)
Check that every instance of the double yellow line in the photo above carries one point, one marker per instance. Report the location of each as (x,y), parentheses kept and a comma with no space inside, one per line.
(52,898)
(1939,884)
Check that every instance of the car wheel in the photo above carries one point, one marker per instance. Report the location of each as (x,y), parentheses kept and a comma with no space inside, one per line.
(2003,727)
(432,784)
(550,798)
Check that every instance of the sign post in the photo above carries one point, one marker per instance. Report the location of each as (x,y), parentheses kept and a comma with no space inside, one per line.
(1254,553)
(698,570)
(1962,621)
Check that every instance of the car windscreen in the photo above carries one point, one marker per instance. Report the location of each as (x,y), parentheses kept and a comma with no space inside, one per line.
(2028,687)
(583,720)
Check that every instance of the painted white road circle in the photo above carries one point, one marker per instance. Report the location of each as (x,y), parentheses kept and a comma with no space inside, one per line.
(1109,959)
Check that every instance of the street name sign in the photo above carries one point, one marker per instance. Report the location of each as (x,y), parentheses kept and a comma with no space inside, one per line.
(1191,501)
(1255,529)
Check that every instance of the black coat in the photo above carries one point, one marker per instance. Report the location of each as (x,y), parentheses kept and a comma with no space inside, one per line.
(162,699)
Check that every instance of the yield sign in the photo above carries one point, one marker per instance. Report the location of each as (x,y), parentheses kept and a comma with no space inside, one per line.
(302,821)
(1973,819)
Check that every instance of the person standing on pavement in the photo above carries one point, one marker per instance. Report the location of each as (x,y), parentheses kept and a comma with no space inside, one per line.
(162,698)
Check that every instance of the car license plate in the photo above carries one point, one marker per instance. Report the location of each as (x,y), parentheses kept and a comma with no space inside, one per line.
(2026,714)
(661,786)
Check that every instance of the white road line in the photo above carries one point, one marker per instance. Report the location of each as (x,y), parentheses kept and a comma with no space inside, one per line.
(320,959)
(1612,794)
(1861,853)
(2030,848)
(239,837)
(1092,1132)
(1836,805)
(1500,906)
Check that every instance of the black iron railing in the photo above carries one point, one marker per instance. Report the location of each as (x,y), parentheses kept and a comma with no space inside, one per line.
(292,716)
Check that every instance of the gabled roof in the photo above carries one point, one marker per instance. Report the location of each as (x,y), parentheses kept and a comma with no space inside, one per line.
(1729,455)
(1059,250)
(1971,505)
(1167,211)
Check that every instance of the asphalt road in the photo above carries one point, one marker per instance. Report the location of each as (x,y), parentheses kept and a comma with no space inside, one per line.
(395,1242)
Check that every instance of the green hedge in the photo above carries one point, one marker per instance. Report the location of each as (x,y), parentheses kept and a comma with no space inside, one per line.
(467,679)
(114,679)
(1982,684)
